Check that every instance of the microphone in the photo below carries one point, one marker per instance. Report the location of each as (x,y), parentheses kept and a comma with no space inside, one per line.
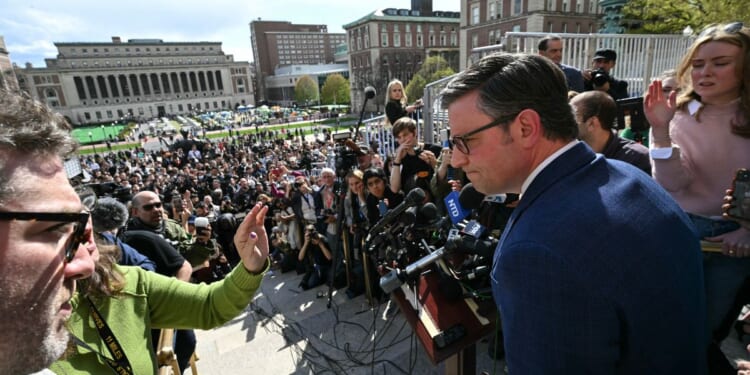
(369,92)
(470,198)
(472,245)
(415,197)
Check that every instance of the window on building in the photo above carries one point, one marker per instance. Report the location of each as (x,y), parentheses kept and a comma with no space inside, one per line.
(454,39)
(517,7)
(475,14)
(384,39)
(565,6)
(565,27)
(549,26)
(492,10)
(551,5)
(420,42)
(396,39)
(474,41)
(407,39)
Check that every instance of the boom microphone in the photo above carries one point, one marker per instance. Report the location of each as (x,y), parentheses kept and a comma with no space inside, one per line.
(369,92)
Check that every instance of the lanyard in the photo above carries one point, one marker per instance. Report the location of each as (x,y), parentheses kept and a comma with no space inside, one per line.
(120,365)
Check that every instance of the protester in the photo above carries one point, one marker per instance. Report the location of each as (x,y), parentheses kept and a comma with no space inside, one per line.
(596,256)
(699,139)
(45,235)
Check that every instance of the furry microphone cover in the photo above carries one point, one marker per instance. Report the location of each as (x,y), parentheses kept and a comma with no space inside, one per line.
(108,214)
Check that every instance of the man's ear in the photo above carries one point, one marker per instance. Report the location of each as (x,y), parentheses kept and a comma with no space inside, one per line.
(528,127)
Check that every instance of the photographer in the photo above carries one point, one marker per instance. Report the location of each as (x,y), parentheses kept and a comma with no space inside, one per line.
(317,259)
(600,78)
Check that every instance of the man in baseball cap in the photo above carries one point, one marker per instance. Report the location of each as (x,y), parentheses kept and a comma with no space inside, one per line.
(600,76)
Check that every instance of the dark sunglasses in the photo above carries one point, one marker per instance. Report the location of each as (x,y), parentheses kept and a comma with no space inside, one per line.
(151,206)
(729,28)
(79,230)
(459,141)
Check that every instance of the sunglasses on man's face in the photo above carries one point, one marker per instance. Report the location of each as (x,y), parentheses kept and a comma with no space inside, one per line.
(79,230)
(151,206)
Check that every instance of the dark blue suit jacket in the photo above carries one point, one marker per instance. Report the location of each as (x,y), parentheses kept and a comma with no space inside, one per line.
(599,272)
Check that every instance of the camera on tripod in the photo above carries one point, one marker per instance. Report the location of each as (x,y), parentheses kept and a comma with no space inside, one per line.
(346,157)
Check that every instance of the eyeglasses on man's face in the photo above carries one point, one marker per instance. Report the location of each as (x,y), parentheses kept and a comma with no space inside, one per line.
(79,230)
(459,141)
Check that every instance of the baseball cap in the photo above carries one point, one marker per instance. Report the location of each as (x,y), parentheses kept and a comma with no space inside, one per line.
(606,54)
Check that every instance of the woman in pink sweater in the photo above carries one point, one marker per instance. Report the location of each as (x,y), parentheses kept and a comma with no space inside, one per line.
(698,140)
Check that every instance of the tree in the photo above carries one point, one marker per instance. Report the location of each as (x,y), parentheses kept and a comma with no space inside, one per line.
(672,16)
(433,69)
(306,90)
(335,90)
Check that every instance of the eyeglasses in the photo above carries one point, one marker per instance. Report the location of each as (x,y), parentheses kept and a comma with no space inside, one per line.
(79,230)
(459,141)
(730,28)
(151,206)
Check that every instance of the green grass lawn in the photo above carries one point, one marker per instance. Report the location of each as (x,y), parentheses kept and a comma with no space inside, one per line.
(98,134)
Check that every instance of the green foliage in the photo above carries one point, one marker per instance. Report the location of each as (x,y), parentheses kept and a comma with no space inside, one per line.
(335,90)
(432,69)
(415,87)
(672,16)
(306,91)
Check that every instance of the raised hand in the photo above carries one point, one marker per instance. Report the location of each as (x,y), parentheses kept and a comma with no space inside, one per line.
(659,109)
(251,239)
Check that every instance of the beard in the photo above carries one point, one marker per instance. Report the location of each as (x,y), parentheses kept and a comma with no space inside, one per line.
(35,333)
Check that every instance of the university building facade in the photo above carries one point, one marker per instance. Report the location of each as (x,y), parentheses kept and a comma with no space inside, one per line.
(138,79)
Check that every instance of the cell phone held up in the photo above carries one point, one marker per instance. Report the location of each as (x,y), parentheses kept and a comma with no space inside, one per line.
(740,208)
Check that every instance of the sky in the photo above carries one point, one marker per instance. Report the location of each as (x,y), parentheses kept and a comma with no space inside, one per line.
(31,27)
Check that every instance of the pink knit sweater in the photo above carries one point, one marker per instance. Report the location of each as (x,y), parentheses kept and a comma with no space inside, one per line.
(709,156)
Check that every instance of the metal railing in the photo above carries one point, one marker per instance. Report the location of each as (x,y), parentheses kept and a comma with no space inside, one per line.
(640,59)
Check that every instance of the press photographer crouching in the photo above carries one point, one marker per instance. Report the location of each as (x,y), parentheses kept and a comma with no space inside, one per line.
(316,257)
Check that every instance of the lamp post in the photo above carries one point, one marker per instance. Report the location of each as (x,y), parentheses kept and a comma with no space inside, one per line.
(91,139)
(104,134)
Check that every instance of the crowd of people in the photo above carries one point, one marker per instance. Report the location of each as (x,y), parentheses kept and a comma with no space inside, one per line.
(599,268)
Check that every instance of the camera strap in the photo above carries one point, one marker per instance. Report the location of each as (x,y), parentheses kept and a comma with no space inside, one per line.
(120,364)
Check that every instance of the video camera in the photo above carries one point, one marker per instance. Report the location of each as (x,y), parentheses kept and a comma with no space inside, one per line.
(346,155)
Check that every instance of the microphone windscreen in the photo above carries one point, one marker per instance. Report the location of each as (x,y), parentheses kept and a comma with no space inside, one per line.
(369,92)
(428,212)
(108,214)
(470,198)
(415,196)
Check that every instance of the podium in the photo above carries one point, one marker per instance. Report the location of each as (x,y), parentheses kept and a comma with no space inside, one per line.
(448,329)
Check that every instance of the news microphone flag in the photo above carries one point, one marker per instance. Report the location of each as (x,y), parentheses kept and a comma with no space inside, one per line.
(455,211)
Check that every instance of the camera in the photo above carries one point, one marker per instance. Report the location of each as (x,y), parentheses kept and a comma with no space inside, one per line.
(599,77)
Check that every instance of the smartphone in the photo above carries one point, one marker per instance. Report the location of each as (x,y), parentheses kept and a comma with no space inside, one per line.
(741,206)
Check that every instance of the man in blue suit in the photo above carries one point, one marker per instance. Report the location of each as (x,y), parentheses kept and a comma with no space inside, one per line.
(598,270)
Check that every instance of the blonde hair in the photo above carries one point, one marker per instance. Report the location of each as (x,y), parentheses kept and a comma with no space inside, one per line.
(739,38)
(394,82)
